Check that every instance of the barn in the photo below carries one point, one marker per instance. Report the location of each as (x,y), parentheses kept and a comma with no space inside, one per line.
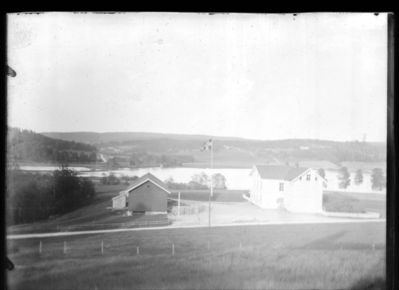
(295,189)
(147,194)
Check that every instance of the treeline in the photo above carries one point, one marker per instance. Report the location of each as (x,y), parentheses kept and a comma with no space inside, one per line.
(360,151)
(335,152)
(149,148)
(144,159)
(377,178)
(26,145)
(32,196)
(199,181)
(112,179)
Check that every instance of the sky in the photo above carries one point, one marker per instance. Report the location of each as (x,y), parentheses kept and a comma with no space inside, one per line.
(258,76)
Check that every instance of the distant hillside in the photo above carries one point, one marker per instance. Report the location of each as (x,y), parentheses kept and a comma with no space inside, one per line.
(112,137)
(228,150)
(24,145)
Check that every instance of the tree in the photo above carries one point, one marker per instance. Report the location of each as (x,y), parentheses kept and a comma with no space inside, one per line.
(93,157)
(69,191)
(219,181)
(175,185)
(87,191)
(169,180)
(344,178)
(82,157)
(27,203)
(321,172)
(359,177)
(377,179)
(66,190)
(201,179)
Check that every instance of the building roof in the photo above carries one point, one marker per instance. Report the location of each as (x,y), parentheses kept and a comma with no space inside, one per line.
(147,177)
(279,172)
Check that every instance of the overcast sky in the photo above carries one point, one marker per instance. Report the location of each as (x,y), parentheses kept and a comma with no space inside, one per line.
(254,76)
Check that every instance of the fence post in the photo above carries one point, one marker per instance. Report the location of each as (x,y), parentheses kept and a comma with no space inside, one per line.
(373,246)
(137,250)
(40,247)
(65,247)
(240,246)
(208,245)
(102,247)
(173,249)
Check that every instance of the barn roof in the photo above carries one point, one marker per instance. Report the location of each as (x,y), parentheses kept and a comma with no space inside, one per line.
(148,177)
(279,171)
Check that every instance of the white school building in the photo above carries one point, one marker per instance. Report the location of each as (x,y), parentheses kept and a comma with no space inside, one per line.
(296,189)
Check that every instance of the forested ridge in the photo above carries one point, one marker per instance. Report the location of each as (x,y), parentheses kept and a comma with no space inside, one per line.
(26,145)
(131,143)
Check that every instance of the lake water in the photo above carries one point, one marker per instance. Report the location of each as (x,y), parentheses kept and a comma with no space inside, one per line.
(51,168)
(236,178)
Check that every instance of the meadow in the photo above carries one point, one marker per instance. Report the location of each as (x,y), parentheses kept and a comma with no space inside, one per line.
(354,202)
(318,256)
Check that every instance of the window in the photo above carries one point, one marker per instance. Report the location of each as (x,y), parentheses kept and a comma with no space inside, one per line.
(308,177)
(315,178)
(281,186)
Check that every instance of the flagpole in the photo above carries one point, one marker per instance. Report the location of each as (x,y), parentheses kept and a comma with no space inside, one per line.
(211,191)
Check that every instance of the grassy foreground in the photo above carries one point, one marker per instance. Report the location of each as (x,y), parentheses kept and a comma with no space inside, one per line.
(321,256)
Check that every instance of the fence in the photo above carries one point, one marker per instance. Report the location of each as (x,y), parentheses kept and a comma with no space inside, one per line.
(81,248)
(189,210)
(78,248)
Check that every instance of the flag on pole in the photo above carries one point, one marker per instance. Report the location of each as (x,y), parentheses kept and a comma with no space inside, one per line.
(207,145)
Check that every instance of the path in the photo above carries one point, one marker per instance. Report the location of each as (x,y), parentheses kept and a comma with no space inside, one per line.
(60,234)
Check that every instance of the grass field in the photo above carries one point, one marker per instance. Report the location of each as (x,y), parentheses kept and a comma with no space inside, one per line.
(354,202)
(320,256)
(219,195)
